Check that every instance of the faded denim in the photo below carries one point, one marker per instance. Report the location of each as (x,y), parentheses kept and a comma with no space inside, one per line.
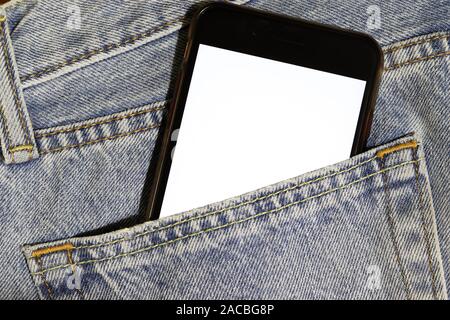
(371,227)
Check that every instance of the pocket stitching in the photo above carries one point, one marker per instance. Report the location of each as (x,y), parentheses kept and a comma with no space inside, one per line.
(191,235)
(113,137)
(44,279)
(236,206)
(393,233)
(101,122)
(424,229)
(12,82)
(417,42)
(409,144)
(416,60)
(105,49)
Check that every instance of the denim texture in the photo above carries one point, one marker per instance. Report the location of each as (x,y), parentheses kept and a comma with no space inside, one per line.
(18,144)
(95,98)
(312,237)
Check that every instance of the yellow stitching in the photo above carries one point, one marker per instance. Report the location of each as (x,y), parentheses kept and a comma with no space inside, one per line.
(99,140)
(8,134)
(406,145)
(106,48)
(69,258)
(2,18)
(422,41)
(44,251)
(273,194)
(392,231)
(270,195)
(8,138)
(27,147)
(425,230)
(232,223)
(11,80)
(398,65)
(113,119)
(44,278)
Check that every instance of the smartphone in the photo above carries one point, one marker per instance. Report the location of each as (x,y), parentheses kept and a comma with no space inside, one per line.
(260,98)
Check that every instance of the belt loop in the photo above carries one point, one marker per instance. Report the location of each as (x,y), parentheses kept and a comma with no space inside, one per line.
(16,133)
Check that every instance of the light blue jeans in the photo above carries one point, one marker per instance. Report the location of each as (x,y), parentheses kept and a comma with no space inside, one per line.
(84,87)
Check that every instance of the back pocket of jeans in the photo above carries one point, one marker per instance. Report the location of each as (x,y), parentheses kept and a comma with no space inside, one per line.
(363,228)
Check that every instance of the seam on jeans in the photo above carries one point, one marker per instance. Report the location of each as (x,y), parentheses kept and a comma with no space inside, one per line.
(398,65)
(5,126)
(233,222)
(44,278)
(11,149)
(73,266)
(111,46)
(106,48)
(72,146)
(145,34)
(425,229)
(12,82)
(422,41)
(5,121)
(106,121)
(236,206)
(394,238)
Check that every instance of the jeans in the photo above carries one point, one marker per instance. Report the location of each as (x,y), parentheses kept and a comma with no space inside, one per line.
(84,87)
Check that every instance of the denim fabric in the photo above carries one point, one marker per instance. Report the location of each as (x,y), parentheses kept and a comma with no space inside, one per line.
(374,226)
(414,96)
(18,144)
(315,236)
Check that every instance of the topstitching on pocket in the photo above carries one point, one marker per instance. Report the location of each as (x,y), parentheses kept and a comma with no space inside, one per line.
(325,234)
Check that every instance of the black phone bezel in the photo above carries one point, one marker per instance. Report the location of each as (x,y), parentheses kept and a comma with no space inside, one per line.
(275,37)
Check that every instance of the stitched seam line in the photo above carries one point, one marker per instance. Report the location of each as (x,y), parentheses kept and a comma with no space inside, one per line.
(231,223)
(44,279)
(11,80)
(422,41)
(393,233)
(236,206)
(103,49)
(43,152)
(149,33)
(270,195)
(398,65)
(106,121)
(425,230)
(6,129)
(74,270)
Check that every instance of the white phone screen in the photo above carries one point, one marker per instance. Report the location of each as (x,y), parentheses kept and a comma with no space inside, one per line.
(250,122)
